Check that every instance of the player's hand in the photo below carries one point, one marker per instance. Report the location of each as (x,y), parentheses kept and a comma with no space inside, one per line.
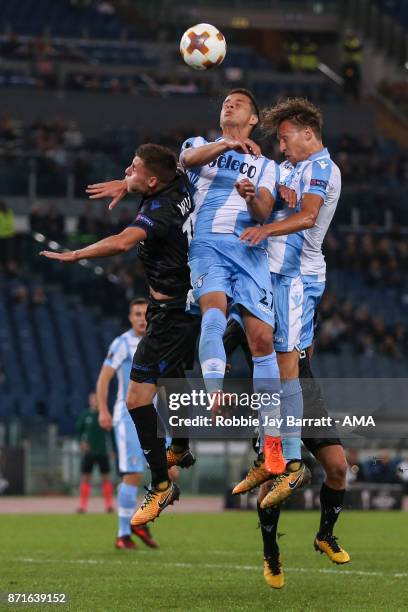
(84,446)
(288,195)
(111,189)
(67,256)
(246,189)
(105,420)
(254,235)
(243,145)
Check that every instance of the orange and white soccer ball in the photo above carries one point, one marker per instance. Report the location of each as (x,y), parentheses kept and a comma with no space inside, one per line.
(203,46)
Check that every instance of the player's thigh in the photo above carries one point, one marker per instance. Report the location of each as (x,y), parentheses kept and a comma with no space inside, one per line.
(313,292)
(140,394)
(87,464)
(103,463)
(288,298)
(210,273)
(129,452)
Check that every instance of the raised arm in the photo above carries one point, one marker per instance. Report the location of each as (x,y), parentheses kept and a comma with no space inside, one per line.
(199,156)
(112,245)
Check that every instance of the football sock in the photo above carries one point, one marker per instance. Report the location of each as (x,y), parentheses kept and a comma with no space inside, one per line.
(154,448)
(267,381)
(84,493)
(268,521)
(292,406)
(331,503)
(126,500)
(211,349)
(107,492)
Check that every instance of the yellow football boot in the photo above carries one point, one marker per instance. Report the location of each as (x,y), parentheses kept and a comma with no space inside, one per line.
(255,477)
(273,573)
(328,545)
(283,485)
(183,458)
(155,501)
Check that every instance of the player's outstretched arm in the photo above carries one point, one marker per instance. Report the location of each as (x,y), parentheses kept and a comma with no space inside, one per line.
(199,156)
(304,219)
(110,189)
(112,245)
(260,203)
(102,389)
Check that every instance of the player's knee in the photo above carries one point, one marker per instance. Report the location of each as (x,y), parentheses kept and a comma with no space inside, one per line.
(336,473)
(260,343)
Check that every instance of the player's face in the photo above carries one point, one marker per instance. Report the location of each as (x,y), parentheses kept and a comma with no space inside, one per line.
(140,179)
(92,401)
(236,112)
(137,318)
(294,141)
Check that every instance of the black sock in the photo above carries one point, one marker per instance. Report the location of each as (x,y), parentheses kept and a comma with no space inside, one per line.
(154,448)
(268,519)
(331,502)
(180,443)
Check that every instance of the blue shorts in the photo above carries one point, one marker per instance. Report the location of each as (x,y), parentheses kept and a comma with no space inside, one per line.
(296,301)
(238,270)
(130,455)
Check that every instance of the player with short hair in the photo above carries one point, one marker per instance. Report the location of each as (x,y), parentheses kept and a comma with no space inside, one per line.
(131,461)
(223,269)
(159,230)
(298,270)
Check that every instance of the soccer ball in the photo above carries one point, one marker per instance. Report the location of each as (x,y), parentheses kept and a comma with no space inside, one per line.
(203,46)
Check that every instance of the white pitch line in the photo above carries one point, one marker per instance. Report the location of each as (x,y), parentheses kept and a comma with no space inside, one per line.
(215,566)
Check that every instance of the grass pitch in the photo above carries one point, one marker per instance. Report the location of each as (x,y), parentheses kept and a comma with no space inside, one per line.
(206,562)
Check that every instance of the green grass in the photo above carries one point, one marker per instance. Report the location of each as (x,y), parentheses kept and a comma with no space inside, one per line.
(207,562)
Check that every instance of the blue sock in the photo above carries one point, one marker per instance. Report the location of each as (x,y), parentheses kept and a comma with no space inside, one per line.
(126,501)
(292,405)
(211,349)
(267,380)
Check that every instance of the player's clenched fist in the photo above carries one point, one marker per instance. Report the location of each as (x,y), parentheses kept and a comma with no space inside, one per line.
(243,145)
(246,189)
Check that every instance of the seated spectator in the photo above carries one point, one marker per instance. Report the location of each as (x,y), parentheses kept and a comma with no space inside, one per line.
(7,238)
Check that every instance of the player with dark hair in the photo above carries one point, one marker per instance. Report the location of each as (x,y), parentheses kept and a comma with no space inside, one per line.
(159,230)
(225,271)
(298,273)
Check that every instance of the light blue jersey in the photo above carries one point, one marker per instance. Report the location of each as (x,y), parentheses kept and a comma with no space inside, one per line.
(219,209)
(120,356)
(301,253)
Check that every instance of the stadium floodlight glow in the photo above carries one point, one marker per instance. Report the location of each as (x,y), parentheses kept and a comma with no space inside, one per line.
(98,270)
(84,262)
(53,245)
(39,237)
(406,65)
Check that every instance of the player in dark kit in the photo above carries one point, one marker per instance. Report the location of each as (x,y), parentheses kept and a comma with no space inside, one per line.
(160,230)
(325,445)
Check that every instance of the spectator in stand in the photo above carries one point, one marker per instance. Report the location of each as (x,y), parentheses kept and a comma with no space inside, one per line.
(7,238)
(383,468)
(355,469)
(54,223)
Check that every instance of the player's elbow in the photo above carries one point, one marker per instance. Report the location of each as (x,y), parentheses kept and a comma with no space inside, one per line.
(309,221)
(123,245)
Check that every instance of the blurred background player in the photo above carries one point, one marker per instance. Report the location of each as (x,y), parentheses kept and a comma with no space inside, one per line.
(131,461)
(94,446)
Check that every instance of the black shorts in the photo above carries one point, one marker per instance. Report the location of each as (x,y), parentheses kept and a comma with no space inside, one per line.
(314,408)
(168,347)
(89,460)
